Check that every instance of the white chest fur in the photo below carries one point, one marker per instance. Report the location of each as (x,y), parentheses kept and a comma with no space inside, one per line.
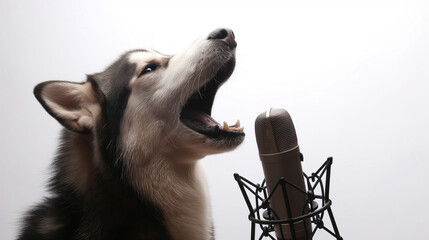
(181,192)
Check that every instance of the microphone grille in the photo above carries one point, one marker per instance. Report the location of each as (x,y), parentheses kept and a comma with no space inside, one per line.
(275,131)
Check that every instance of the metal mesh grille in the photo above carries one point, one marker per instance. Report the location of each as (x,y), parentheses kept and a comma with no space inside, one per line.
(275,131)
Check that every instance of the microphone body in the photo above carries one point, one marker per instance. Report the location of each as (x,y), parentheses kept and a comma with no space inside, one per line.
(280,156)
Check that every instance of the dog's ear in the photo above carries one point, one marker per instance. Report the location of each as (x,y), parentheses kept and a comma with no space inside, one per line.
(75,105)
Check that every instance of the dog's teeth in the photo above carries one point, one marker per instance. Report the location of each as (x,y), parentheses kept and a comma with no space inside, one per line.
(237,129)
(234,128)
(237,124)
(225,126)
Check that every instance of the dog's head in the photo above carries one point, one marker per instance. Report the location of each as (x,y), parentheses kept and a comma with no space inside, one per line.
(147,103)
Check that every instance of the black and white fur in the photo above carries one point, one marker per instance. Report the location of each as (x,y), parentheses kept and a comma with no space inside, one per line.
(127,164)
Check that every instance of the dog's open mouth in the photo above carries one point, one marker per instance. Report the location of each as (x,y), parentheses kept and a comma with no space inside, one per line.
(196,114)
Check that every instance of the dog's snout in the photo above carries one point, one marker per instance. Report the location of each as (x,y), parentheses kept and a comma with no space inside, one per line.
(224,34)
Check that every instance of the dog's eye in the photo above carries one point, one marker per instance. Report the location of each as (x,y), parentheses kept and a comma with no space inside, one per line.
(149,68)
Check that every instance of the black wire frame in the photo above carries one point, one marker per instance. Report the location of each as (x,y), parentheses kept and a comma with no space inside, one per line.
(317,193)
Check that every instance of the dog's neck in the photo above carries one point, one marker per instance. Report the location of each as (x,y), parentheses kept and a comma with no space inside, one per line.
(179,189)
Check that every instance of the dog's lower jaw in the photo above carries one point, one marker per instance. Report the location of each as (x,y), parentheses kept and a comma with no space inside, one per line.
(180,191)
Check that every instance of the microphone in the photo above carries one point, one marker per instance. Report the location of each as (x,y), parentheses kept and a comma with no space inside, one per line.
(280,156)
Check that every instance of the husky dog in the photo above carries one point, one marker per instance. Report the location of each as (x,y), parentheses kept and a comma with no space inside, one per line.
(127,166)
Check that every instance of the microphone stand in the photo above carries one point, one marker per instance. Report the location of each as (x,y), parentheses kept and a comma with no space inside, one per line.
(317,204)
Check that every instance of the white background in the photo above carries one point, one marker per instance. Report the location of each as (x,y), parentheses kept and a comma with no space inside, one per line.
(353,75)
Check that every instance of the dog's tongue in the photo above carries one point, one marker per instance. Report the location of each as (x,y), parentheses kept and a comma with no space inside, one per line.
(202,118)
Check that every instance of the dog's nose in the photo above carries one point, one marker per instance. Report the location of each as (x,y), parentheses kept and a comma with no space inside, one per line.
(224,34)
